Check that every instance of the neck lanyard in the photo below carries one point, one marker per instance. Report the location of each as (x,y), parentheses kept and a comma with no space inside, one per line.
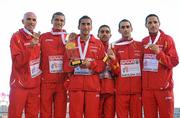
(62,35)
(27,31)
(83,53)
(155,41)
(124,42)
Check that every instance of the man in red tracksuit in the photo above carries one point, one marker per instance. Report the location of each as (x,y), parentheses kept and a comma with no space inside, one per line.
(127,66)
(84,81)
(160,56)
(53,93)
(25,75)
(107,96)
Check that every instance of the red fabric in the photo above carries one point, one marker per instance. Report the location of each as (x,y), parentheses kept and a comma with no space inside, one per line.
(153,36)
(162,101)
(22,99)
(84,89)
(107,99)
(21,55)
(107,106)
(51,45)
(158,86)
(86,103)
(53,92)
(25,90)
(127,85)
(128,89)
(88,82)
(168,59)
(129,106)
(107,84)
(53,101)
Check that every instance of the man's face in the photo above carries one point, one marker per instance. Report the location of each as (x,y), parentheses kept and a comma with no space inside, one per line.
(58,21)
(104,34)
(29,21)
(85,27)
(125,29)
(152,24)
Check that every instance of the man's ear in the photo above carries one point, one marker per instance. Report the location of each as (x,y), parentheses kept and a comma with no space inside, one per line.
(98,35)
(119,31)
(22,21)
(146,25)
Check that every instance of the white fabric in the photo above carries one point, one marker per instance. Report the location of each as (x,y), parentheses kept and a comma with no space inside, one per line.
(34,67)
(62,35)
(55,64)
(155,41)
(83,53)
(150,63)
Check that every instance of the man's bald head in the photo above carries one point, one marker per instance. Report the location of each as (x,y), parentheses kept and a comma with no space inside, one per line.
(29,14)
(29,21)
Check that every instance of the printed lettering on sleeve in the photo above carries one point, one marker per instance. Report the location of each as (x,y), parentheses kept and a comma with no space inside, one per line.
(130,68)
(150,63)
(55,64)
(34,67)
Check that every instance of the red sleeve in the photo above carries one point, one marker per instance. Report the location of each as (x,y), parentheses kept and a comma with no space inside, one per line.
(114,64)
(168,57)
(19,55)
(66,64)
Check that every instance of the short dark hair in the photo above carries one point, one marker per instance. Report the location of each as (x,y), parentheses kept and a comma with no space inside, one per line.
(84,17)
(150,15)
(58,14)
(104,26)
(124,20)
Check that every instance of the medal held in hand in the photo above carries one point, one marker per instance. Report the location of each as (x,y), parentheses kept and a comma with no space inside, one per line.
(72,53)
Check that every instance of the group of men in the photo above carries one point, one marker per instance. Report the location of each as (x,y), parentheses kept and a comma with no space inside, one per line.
(98,79)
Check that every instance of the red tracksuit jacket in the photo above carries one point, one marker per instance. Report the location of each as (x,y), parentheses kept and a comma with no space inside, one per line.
(95,52)
(167,59)
(53,49)
(128,53)
(107,84)
(25,61)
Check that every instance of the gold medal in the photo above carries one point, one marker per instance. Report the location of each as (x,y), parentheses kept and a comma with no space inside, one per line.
(70,45)
(105,58)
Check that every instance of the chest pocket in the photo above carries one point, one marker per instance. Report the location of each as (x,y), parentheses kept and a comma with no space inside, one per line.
(53,46)
(93,52)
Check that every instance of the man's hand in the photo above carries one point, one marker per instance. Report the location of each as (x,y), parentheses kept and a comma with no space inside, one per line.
(86,63)
(111,54)
(72,36)
(35,39)
(154,48)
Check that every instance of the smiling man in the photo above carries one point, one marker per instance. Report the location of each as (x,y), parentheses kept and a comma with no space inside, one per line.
(25,75)
(160,57)
(53,92)
(128,83)
(84,81)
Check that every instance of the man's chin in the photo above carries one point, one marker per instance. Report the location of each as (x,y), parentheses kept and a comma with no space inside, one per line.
(30,29)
